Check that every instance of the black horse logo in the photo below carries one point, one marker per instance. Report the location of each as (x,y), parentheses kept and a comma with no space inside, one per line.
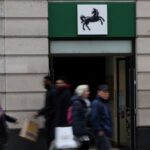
(86,20)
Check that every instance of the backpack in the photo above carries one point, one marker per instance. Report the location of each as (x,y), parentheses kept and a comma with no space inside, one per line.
(69,115)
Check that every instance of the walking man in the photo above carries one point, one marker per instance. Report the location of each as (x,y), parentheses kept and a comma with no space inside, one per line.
(101,118)
(48,111)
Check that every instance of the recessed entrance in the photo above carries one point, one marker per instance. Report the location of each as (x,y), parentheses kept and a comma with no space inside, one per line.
(81,70)
(93,71)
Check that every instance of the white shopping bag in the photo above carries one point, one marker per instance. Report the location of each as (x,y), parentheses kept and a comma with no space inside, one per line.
(64,138)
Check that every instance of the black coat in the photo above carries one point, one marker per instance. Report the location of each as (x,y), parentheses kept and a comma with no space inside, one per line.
(62,103)
(4,129)
(49,107)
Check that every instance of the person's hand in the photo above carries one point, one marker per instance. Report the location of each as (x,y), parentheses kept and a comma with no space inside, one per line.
(101,133)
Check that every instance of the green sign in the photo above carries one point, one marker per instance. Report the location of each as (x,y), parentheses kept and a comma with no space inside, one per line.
(62,20)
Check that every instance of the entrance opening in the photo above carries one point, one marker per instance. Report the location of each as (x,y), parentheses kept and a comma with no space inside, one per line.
(81,70)
(112,70)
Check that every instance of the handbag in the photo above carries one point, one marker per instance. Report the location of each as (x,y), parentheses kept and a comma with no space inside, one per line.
(64,138)
(30,130)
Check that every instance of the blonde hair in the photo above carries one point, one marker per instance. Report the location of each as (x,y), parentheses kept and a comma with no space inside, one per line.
(80,89)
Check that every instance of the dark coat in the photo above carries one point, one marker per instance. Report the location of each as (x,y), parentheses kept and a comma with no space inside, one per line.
(79,111)
(101,117)
(48,111)
(62,102)
(4,129)
(49,107)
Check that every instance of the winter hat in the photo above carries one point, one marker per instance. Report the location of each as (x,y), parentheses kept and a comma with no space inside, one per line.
(80,89)
(103,87)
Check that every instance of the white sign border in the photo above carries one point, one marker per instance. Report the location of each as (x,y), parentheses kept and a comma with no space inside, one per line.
(87,32)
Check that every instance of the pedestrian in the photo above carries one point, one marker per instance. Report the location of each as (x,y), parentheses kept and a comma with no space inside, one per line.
(4,128)
(101,118)
(80,113)
(62,101)
(48,111)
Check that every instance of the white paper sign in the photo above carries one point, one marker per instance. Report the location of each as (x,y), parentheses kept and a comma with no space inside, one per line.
(92,19)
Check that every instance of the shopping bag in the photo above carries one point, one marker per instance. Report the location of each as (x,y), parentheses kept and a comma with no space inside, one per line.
(30,130)
(64,138)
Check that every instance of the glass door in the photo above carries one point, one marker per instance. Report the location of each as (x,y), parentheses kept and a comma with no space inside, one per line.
(125,103)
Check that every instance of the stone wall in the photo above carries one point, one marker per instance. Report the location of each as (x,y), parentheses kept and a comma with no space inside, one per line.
(143,63)
(143,74)
(23,55)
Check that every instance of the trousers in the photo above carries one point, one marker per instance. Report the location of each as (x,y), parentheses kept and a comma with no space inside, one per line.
(103,143)
(1,147)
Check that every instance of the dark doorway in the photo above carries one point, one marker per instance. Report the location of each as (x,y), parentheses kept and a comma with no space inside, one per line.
(117,72)
(81,70)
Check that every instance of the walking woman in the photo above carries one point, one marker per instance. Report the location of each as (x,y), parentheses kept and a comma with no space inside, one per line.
(80,111)
(3,127)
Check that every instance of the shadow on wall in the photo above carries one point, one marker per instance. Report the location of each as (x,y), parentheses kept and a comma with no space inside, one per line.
(17,143)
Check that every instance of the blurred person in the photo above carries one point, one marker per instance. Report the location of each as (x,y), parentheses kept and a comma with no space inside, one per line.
(101,118)
(4,128)
(62,101)
(48,111)
(80,113)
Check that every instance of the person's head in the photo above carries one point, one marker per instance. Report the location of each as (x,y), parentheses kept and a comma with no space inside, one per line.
(103,91)
(61,82)
(82,91)
(47,82)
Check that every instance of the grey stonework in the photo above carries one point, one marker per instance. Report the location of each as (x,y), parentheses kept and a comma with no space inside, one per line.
(23,56)
(143,62)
